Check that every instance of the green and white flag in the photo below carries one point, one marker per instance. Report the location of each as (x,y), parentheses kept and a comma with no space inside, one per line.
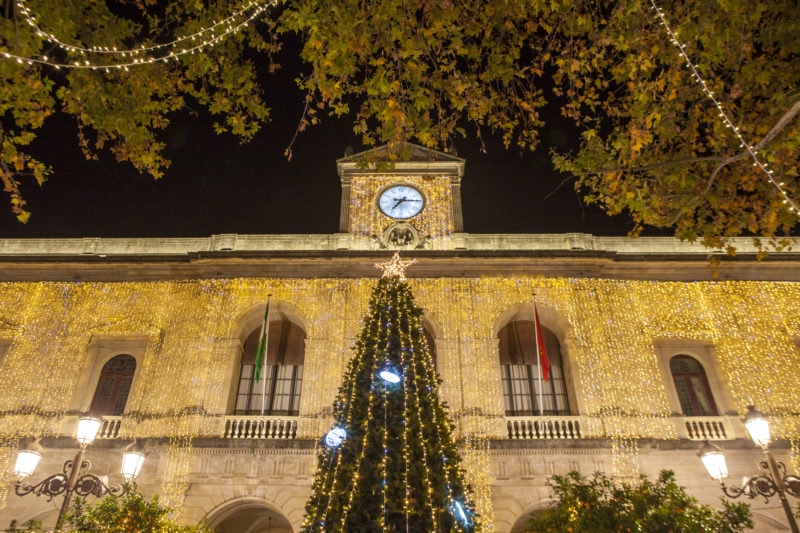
(261,351)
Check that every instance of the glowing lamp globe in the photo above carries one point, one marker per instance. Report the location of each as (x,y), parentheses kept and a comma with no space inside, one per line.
(714,461)
(28,459)
(88,427)
(132,461)
(389,375)
(757,426)
(335,437)
(460,513)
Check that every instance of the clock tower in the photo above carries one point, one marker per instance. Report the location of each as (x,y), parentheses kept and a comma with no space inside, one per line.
(405,198)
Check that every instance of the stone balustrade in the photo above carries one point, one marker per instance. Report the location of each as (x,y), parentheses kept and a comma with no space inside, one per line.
(544,427)
(260,427)
(695,428)
(705,428)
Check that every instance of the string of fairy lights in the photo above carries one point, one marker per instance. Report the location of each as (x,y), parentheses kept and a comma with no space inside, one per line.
(107,58)
(751,149)
(377,338)
(612,324)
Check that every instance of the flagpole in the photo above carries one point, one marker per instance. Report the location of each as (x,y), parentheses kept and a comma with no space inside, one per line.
(264,386)
(266,356)
(265,339)
(538,356)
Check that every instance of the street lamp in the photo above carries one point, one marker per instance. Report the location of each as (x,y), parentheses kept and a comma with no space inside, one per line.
(75,477)
(772,479)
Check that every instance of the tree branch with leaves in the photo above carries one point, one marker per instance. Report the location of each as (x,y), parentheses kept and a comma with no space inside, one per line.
(652,143)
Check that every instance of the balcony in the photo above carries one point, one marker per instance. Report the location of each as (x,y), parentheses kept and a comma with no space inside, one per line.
(236,427)
(701,428)
(543,427)
(109,429)
(260,427)
(694,428)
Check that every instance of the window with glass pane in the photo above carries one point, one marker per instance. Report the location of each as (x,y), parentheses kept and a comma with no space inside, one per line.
(277,392)
(524,391)
(692,387)
(113,386)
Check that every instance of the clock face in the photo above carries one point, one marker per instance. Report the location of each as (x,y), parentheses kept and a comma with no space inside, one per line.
(401,201)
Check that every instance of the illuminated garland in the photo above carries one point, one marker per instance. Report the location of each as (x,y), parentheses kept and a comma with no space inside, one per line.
(751,150)
(477,463)
(625,459)
(8,455)
(123,59)
(177,474)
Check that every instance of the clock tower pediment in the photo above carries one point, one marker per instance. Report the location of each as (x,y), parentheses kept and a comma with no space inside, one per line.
(402,196)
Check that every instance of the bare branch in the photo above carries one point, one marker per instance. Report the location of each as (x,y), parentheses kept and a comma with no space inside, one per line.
(789,115)
(723,161)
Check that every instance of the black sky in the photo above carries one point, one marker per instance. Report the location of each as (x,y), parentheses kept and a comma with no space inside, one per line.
(217,185)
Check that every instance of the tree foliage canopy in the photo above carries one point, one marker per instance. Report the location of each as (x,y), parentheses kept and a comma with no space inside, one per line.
(652,142)
(598,505)
(129,513)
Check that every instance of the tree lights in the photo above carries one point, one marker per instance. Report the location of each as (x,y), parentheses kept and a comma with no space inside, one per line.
(399,469)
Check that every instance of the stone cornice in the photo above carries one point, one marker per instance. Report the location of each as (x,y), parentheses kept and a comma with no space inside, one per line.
(336,255)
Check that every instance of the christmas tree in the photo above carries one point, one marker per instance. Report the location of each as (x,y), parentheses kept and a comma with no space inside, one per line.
(390,462)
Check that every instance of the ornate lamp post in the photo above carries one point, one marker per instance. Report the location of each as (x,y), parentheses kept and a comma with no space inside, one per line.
(771,481)
(75,477)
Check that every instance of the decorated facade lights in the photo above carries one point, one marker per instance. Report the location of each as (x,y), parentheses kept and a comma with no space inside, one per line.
(752,150)
(75,477)
(771,481)
(189,44)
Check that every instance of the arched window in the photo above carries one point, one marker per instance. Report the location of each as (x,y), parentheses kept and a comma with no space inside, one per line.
(114,385)
(692,387)
(278,390)
(524,390)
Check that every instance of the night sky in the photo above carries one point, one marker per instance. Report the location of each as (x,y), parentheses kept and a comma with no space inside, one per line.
(217,185)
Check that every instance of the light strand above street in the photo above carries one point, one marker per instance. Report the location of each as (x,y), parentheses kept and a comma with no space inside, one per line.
(105,58)
(751,149)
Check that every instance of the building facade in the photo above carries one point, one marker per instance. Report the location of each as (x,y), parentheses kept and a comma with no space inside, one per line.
(653,350)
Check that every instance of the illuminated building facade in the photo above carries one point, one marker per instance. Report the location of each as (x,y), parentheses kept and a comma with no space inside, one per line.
(652,350)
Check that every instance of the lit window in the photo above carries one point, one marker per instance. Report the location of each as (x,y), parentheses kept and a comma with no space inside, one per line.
(524,390)
(278,390)
(113,386)
(692,387)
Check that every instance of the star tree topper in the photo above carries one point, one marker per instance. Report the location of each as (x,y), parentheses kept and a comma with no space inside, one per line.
(395,267)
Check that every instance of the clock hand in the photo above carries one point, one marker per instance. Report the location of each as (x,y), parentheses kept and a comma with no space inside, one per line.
(399,201)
